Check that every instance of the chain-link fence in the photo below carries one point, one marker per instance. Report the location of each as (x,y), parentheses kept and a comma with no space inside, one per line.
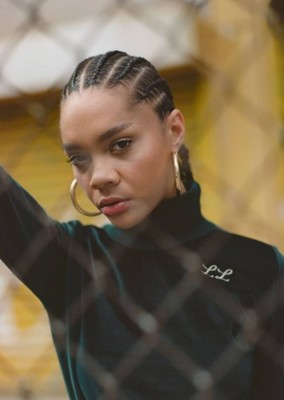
(222,63)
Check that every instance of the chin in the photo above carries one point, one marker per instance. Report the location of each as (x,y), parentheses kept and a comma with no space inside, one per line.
(125,221)
(123,225)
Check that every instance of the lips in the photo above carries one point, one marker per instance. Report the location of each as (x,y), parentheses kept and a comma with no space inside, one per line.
(113,206)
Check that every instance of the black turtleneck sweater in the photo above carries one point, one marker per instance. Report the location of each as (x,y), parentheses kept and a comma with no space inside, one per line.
(173,309)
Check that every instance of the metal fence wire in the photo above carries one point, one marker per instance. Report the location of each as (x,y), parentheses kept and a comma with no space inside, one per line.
(222,59)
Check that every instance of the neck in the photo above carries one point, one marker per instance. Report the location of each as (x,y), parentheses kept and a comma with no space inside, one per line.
(174,221)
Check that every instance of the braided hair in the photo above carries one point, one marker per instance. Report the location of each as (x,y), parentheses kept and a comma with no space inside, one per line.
(141,78)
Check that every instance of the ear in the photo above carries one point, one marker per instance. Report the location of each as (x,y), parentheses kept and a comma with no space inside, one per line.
(176,129)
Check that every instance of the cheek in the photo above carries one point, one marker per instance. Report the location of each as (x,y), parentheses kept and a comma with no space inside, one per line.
(151,166)
(157,158)
(82,179)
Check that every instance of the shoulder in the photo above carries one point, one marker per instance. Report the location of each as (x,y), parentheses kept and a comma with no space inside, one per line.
(255,265)
(238,247)
(243,248)
(78,229)
(89,235)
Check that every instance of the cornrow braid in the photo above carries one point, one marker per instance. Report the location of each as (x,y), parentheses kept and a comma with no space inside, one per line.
(118,68)
(185,168)
(152,85)
(98,69)
(74,82)
(157,92)
(132,61)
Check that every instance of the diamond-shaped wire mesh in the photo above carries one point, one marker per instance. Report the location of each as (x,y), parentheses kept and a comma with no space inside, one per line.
(222,63)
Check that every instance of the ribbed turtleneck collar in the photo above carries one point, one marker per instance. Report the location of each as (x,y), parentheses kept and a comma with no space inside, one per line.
(173,222)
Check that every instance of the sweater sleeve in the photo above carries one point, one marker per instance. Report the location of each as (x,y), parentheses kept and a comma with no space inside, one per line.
(32,245)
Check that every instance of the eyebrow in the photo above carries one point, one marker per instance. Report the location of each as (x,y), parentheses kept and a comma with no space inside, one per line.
(110,133)
(105,136)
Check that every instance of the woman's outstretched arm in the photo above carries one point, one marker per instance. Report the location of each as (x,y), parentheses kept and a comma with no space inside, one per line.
(32,244)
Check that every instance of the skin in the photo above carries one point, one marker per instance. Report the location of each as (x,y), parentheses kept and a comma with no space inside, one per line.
(119,153)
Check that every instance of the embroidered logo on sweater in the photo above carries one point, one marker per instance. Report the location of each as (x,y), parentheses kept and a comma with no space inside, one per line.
(213,271)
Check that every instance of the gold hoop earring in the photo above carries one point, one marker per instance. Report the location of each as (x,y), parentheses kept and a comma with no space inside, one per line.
(179,184)
(73,187)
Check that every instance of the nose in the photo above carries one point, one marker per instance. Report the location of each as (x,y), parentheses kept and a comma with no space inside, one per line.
(103,175)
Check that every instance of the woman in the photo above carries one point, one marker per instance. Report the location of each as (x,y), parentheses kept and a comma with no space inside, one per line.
(161,303)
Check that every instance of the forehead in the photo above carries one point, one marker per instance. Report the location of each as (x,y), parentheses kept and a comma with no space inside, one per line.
(94,99)
(94,106)
(95,110)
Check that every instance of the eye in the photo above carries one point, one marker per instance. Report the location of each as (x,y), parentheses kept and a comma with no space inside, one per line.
(120,145)
(78,160)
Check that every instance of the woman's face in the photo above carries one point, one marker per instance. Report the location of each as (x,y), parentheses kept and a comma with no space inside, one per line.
(121,155)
